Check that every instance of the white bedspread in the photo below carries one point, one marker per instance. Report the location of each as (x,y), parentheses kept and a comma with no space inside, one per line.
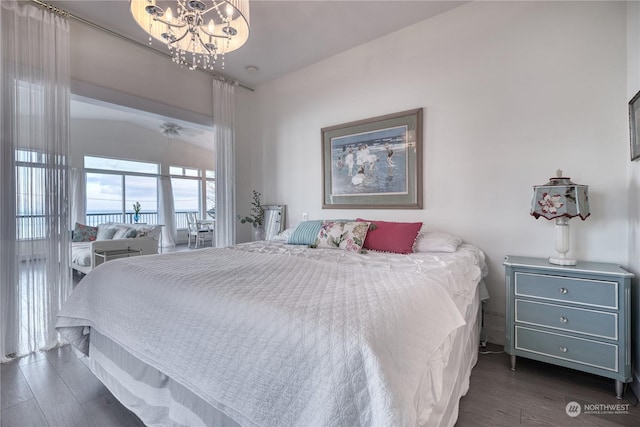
(277,335)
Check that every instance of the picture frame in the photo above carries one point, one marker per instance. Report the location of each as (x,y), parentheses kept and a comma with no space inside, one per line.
(374,163)
(634,126)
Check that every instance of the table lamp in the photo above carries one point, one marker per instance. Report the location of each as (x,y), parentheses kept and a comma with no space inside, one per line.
(560,199)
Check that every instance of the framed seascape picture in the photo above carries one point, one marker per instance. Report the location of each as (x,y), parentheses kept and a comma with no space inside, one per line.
(634,125)
(374,163)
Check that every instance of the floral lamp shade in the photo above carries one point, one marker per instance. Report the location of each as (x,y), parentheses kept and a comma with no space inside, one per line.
(561,199)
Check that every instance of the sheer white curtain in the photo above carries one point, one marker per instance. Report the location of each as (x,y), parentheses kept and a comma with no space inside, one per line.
(224,132)
(78,191)
(34,211)
(166,211)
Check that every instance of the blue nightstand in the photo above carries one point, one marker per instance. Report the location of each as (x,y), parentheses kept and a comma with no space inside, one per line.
(577,316)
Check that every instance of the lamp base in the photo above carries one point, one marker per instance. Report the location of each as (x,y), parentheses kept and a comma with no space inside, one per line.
(562,261)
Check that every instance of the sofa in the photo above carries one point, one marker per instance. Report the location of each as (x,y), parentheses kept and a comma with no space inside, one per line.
(90,244)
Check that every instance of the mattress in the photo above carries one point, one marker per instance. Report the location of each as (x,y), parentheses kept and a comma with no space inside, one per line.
(268,334)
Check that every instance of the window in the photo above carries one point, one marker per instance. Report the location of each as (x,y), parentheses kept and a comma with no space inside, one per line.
(30,195)
(186,198)
(114,185)
(111,192)
(193,191)
(104,198)
(142,189)
(31,164)
(175,170)
(120,165)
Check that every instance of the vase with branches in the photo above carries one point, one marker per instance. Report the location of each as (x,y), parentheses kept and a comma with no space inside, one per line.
(256,215)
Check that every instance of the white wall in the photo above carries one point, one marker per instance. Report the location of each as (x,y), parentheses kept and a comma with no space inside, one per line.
(633,190)
(511,91)
(109,62)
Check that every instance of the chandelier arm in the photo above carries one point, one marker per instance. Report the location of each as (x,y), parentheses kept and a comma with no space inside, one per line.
(218,36)
(170,24)
(181,37)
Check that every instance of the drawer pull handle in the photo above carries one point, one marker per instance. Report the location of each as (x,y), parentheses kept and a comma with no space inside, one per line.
(564,291)
(563,349)
(563,319)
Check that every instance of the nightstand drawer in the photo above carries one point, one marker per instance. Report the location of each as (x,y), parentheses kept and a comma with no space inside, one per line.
(587,292)
(558,346)
(590,322)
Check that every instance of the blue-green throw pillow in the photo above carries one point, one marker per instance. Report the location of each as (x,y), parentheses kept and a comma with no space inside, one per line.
(306,232)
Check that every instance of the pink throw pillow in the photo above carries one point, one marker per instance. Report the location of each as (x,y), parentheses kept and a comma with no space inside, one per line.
(397,237)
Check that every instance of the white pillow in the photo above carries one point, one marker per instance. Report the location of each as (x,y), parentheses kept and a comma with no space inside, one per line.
(151,230)
(283,236)
(105,232)
(437,241)
(123,232)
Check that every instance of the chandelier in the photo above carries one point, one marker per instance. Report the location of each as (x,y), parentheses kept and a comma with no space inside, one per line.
(199,32)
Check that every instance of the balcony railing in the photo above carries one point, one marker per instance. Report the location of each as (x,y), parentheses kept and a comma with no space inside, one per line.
(34,226)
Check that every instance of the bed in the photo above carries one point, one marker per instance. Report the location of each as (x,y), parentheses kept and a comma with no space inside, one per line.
(271,334)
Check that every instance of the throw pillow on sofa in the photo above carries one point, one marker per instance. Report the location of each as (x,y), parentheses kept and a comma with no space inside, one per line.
(105,233)
(84,233)
(123,232)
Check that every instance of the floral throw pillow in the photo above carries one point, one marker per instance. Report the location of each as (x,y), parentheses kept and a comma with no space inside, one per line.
(342,235)
(84,233)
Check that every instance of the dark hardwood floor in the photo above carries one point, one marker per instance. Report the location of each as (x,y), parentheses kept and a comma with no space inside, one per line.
(56,389)
(536,394)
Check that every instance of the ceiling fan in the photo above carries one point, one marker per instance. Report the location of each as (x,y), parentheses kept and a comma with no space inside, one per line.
(171,130)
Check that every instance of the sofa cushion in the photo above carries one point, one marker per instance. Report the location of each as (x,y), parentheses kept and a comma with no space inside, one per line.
(84,233)
(151,230)
(81,253)
(105,232)
(123,232)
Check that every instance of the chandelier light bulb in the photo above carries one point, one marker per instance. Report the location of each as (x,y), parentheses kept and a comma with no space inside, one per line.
(229,11)
(169,14)
(211,26)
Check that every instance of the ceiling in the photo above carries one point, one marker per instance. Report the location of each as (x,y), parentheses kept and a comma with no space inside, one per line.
(84,109)
(285,35)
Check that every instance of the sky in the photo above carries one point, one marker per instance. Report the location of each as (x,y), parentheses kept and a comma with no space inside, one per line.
(104,193)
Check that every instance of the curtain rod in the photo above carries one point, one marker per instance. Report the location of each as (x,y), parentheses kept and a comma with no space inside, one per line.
(63,13)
